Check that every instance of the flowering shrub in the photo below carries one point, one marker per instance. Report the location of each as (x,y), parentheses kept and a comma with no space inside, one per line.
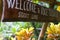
(24,34)
(53,32)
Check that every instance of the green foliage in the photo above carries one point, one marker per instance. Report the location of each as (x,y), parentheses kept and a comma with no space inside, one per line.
(27,25)
(55,7)
(59,38)
(13,30)
(38,24)
(49,39)
(58,0)
(35,37)
(35,1)
(16,26)
(7,38)
(1,29)
(0,24)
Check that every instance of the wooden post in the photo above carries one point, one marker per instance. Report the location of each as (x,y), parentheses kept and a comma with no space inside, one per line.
(44,27)
(0,9)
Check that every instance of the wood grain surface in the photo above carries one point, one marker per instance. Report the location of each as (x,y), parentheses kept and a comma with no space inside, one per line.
(12,14)
(0,8)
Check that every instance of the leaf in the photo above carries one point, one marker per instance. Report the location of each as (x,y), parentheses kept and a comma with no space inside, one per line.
(13,30)
(35,1)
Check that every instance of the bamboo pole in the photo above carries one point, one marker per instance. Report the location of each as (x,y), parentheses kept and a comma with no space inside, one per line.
(44,27)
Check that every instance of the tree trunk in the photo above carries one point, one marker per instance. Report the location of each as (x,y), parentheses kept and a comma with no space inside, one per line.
(44,27)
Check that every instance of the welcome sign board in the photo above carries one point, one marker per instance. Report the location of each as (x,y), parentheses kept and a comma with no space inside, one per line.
(22,10)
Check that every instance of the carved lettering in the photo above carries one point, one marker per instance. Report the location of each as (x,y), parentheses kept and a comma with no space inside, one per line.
(10,3)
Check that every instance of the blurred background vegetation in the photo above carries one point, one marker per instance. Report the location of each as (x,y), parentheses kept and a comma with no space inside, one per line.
(9,28)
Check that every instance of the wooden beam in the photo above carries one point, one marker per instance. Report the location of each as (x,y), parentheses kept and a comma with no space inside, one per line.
(44,27)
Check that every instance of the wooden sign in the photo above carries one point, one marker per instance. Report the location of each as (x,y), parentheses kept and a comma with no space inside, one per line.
(22,10)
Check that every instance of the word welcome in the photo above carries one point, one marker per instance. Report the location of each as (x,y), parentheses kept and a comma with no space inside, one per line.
(29,6)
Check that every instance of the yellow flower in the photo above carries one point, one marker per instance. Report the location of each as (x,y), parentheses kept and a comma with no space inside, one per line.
(19,38)
(53,30)
(58,8)
(31,29)
(49,31)
(25,33)
(52,27)
(58,28)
